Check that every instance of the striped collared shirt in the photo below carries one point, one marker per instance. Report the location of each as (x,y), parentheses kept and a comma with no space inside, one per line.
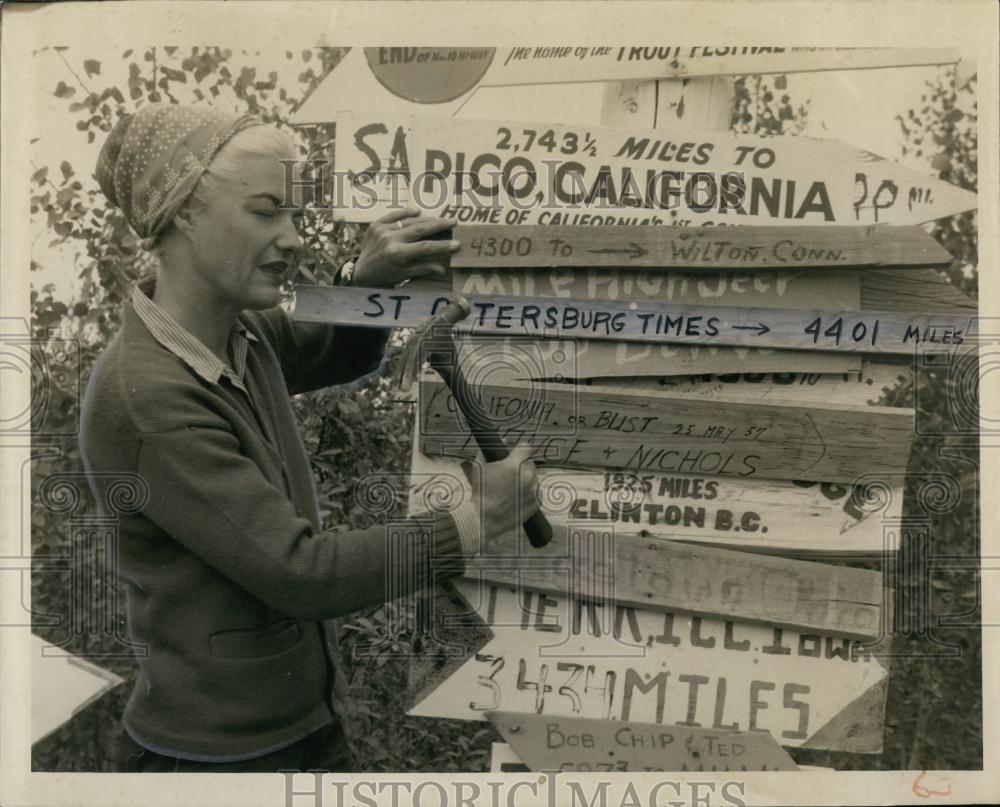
(188,348)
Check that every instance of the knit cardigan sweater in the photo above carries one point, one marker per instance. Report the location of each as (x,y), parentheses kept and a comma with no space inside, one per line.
(227,573)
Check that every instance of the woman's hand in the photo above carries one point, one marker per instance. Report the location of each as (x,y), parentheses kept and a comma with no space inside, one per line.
(395,248)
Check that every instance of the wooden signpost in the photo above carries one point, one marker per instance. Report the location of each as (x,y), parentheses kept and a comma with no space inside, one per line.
(889,193)
(653,431)
(905,290)
(697,247)
(795,519)
(887,332)
(770,516)
(504,760)
(634,571)
(533,65)
(728,397)
(866,387)
(63,685)
(500,360)
(507,172)
(554,656)
(440,81)
(780,288)
(767,288)
(587,745)
(515,173)
(589,358)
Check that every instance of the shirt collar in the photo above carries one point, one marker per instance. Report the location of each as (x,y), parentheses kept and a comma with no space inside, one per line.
(185,345)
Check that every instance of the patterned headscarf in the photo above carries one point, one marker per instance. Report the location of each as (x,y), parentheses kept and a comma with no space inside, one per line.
(153,159)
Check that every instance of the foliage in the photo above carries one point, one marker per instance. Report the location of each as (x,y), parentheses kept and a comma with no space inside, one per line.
(934,715)
(759,110)
(945,129)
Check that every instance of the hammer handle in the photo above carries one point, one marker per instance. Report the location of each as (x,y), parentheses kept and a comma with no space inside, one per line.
(537,527)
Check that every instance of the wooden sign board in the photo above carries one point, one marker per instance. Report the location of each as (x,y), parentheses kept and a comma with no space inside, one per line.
(886,192)
(706,581)
(501,360)
(885,332)
(857,389)
(589,358)
(555,656)
(586,745)
(62,686)
(789,518)
(534,65)
(505,172)
(905,290)
(779,288)
(900,290)
(621,428)
(504,760)
(798,519)
(765,288)
(699,248)
(439,81)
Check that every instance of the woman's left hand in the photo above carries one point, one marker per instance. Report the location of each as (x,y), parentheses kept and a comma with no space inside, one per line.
(396,248)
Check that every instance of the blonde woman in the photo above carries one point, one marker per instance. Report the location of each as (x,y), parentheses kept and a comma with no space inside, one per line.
(227,573)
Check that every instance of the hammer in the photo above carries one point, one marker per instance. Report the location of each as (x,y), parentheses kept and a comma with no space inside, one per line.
(442,355)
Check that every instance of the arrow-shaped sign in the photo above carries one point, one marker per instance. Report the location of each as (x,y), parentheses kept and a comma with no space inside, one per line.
(890,332)
(552,174)
(561,743)
(424,80)
(697,248)
(554,656)
(62,686)
(654,431)
(886,192)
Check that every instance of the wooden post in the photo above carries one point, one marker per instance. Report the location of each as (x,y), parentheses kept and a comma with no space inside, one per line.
(702,104)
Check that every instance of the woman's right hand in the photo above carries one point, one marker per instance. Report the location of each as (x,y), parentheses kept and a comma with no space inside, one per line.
(505,492)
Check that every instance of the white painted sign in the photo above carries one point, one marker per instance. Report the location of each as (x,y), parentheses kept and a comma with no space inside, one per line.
(61,686)
(886,192)
(503,172)
(552,655)
(540,65)
(792,518)
(440,81)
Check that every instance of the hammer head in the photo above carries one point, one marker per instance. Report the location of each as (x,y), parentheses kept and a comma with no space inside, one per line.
(435,334)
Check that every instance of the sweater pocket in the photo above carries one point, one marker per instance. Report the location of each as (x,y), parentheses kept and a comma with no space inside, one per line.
(269,641)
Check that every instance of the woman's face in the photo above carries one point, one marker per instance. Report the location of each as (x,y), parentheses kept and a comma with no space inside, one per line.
(242,243)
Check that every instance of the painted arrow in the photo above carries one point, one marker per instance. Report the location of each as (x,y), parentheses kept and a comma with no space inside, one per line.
(554,656)
(633,251)
(760,328)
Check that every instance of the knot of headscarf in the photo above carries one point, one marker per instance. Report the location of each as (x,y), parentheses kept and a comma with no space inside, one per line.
(153,159)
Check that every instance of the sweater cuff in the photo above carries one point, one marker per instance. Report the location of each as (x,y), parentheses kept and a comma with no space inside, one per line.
(466,517)
(454,535)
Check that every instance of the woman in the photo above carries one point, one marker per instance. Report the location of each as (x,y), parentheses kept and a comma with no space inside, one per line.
(227,573)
